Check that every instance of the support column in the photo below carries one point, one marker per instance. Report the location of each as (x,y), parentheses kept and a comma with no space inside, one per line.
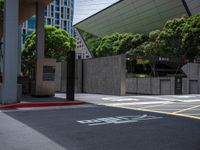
(19,50)
(40,31)
(70,76)
(44,84)
(10,59)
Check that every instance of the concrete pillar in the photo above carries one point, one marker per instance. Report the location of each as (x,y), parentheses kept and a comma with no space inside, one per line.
(40,31)
(19,49)
(10,60)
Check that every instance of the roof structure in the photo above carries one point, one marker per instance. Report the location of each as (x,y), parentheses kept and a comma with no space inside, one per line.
(135,16)
(86,8)
(27,9)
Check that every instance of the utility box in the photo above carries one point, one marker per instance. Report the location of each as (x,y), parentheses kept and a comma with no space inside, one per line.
(43,77)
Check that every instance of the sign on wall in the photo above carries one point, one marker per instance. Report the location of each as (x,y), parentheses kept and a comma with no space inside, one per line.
(49,73)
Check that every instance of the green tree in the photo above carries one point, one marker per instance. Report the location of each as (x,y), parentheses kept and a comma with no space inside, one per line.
(191,37)
(169,41)
(57,43)
(1,5)
(91,41)
(108,45)
(119,43)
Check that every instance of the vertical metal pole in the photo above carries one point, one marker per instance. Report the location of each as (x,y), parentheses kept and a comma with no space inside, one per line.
(70,76)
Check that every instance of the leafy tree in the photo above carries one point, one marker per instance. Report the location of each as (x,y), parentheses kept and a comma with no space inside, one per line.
(108,45)
(180,37)
(191,37)
(170,38)
(1,5)
(91,41)
(57,43)
(119,43)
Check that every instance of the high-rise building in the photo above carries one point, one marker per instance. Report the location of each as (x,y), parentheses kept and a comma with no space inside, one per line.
(58,14)
(82,51)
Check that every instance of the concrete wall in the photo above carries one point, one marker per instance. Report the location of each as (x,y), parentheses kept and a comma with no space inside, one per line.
(61,75)
(191,84)
(78,76)
(166,86)
(150,86)
(104,75)
(107,76)
(58,76)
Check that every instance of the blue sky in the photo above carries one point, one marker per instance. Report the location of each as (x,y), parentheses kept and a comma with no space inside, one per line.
(86,8)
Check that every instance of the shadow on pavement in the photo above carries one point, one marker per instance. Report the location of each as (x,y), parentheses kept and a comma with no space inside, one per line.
(61,126)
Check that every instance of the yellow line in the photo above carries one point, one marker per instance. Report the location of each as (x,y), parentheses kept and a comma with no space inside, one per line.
(186,109)
(160,112)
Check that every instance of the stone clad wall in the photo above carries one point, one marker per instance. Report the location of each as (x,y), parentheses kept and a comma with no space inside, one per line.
(191,84)
(60,76)
(150,86)
(105,75)
(166,86)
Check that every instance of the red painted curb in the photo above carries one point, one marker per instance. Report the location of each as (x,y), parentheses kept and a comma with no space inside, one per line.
(41,104)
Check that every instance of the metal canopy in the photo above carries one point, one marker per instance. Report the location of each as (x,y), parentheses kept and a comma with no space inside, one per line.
(135,16)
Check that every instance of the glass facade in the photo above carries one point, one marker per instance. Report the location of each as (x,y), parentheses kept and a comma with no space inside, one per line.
(59,14)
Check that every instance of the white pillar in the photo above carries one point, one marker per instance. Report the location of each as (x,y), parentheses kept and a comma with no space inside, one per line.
(10,60)
(40,31)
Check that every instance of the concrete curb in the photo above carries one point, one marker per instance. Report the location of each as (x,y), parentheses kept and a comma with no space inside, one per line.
(41,104)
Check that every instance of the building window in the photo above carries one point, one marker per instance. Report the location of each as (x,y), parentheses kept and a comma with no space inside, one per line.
(57,8)
(56,15)
(57,2)
(31,23)
(62,12)
(65,2)
(48,21)
(68,13)
(56,22)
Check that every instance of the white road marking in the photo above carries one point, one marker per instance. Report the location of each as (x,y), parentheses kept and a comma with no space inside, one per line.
(139,103)
(119,99)
(183,110)
(117,120)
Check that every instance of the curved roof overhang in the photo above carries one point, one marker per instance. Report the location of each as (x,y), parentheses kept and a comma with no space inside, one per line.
(135,16)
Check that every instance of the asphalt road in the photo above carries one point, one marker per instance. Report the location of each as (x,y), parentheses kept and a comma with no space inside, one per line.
(179,105)
(96,128)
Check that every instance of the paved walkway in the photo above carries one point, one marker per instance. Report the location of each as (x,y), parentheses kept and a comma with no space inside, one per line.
(179,105)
